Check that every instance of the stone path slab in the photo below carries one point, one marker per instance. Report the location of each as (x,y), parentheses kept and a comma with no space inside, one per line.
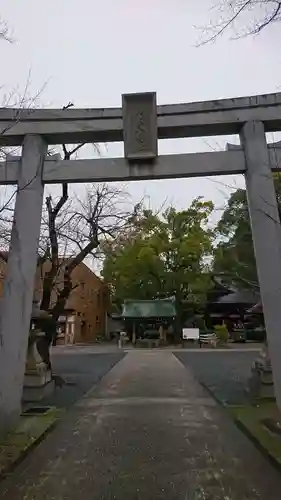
(148,431)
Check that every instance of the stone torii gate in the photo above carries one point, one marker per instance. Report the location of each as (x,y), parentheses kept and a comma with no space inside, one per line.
(140,122)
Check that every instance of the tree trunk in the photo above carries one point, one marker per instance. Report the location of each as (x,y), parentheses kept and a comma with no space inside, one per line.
(48,283)
(49,277)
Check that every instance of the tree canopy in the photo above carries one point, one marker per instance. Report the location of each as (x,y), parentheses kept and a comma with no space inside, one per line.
(162,255)
(234,255)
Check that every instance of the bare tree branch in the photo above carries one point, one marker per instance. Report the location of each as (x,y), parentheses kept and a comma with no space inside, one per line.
(5,31)
(93,219)
(248,17)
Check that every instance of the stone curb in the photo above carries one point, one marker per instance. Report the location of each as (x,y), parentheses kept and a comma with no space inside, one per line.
(209,390)
(8,467)
(243,428)
(269,456)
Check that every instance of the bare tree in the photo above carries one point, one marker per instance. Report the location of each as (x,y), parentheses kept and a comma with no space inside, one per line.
(245,17)
(78,230)
(17,99)
(78,227)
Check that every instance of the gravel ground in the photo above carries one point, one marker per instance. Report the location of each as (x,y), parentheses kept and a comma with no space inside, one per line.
(81,372)
(224,373)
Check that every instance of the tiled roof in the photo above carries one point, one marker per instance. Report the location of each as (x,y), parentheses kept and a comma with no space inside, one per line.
(159,308)
(239,297)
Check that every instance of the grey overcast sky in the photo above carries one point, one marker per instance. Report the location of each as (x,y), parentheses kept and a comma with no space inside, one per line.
(91,51)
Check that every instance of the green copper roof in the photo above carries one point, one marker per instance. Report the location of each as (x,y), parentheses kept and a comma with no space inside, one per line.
(161,308)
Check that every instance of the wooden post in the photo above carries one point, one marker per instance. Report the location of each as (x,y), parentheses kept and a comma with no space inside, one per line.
(134,334)
(19,282)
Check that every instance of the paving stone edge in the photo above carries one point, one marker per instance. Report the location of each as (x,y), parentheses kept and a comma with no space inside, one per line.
(243,428)
(8,468)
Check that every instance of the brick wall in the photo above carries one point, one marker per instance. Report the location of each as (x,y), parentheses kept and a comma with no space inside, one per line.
(88,302)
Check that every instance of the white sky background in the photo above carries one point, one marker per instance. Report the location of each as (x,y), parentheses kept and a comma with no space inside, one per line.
(89,52)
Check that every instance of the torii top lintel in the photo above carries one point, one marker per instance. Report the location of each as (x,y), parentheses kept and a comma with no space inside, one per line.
(217,117)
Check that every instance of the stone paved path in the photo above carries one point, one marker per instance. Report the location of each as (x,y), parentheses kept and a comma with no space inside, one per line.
(148,431)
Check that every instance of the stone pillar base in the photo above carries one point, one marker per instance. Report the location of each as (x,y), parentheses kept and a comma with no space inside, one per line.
(37,392)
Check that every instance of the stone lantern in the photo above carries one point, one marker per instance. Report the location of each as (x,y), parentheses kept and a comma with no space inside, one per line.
(38,381)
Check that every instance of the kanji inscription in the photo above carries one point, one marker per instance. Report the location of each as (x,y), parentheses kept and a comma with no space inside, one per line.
(140,126)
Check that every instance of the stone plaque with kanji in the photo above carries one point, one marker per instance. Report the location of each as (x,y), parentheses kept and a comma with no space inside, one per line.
(140,126)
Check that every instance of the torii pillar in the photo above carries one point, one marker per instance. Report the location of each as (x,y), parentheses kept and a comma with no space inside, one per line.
(19,282)
(266,233)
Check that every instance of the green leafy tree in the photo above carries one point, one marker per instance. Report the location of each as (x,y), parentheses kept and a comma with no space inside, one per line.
(234,255)
(162,256)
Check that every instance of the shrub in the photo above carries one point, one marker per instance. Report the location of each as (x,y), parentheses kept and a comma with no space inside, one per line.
(221,332)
